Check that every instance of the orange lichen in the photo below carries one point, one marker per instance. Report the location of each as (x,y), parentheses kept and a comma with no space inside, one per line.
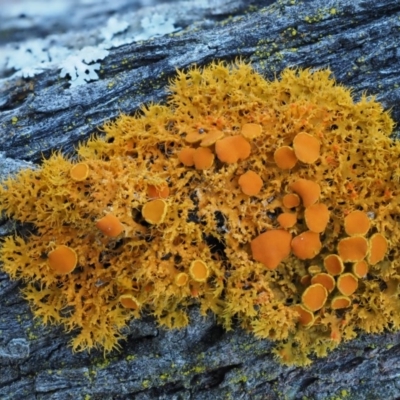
(333,264)
(306,317)
(181,279)
(326,280)
(155,211)
(309,191)
(347,284)
(353,248)
(195,136)
(360,269)
(199,271)
(285,158)
(357,223)
(129,301)
(306,147)
(231,149)
(317,217)
(287,220)
(271,247)
(62,260)
(314,297)
(207,242)
(203,158)
(250,183)
(306,245)
(378,248)
(79,172)
(251,130)
(186,156)
(161,191)
(339,302)
(110,225)
(291,200)
(211,137)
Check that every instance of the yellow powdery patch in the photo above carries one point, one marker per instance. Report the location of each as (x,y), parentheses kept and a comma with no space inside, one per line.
(271,203)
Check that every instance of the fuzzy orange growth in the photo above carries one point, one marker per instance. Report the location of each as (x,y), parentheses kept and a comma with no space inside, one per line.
(231,149)
(357,223)
(158,192)
(306,245)
(129,301)
(309,191)
(79,172)
(347,284)
(306,317)
(356,166)
(306,147)
(186,156)
(314,297)
(271,247)
(287,220)
(110,225)
(360,269)
(291,200)
(333,264)
(378,248)
(285,157)
(250,183)
(203,158)
(353,249)
(251,130)
(211,137)
(199,271)
(325,280)
(317,217)
(339,302)
(181,279)
(154,211)
(62,259)
(194,136)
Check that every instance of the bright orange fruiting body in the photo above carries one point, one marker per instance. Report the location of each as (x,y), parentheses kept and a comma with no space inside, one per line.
(357,223)
(308,190)
(353,248)
(79,172)
(199,271)
(347,284)
(291,200)
(287,220)
(306,245)
(285,158)
(250,183)
(154,211)
(62,260)
(110,225)
(306,148)
(314,297)
(333,264)
(271,247)
(129,301)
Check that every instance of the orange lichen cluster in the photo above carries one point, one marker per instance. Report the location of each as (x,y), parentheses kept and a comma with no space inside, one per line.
(271,203)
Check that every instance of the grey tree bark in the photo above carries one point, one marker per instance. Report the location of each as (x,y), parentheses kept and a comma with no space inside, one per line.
(357,39)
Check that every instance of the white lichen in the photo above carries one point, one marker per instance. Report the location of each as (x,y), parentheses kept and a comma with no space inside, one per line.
(77,54)
(80,67)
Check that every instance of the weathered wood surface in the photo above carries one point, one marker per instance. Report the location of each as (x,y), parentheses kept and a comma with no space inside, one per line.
(358,40)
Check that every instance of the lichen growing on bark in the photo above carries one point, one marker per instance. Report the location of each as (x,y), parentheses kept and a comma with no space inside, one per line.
(271,203)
